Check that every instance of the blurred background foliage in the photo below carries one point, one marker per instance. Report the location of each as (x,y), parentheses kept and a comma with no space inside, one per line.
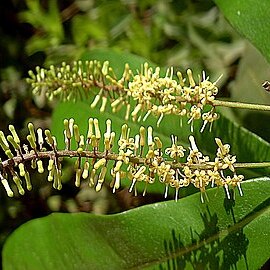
(184,34)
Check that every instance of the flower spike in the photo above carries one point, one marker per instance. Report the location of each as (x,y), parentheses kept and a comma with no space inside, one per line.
(153,94)
(138,159)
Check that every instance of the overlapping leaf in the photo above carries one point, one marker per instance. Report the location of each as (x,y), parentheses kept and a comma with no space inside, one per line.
(251,19)
(171,235)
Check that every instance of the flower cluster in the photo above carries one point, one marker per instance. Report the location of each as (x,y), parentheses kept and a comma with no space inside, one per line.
(99,156)
(142,94)
(197,172)
(161,96)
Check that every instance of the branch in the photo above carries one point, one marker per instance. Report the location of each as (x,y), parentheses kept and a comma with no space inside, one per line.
(138,159)
(241,105)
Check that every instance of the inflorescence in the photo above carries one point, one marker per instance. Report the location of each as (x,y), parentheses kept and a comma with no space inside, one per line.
(98,155)
(142,94)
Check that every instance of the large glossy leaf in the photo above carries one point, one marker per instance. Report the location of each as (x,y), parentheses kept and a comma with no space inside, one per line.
(187,234)
(251,19)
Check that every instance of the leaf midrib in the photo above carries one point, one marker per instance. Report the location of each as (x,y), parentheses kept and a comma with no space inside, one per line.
(189,248)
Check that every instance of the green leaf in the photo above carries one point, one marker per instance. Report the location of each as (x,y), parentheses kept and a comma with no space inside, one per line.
(117,59)
(249,79)
(187,234)
(251,19)
(89,30)
(47,21)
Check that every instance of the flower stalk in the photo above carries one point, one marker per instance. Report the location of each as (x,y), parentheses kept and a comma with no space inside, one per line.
(241,105)
(142,94)
(98,156)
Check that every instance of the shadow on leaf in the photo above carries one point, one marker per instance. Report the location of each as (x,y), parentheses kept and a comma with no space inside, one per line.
(209,249)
